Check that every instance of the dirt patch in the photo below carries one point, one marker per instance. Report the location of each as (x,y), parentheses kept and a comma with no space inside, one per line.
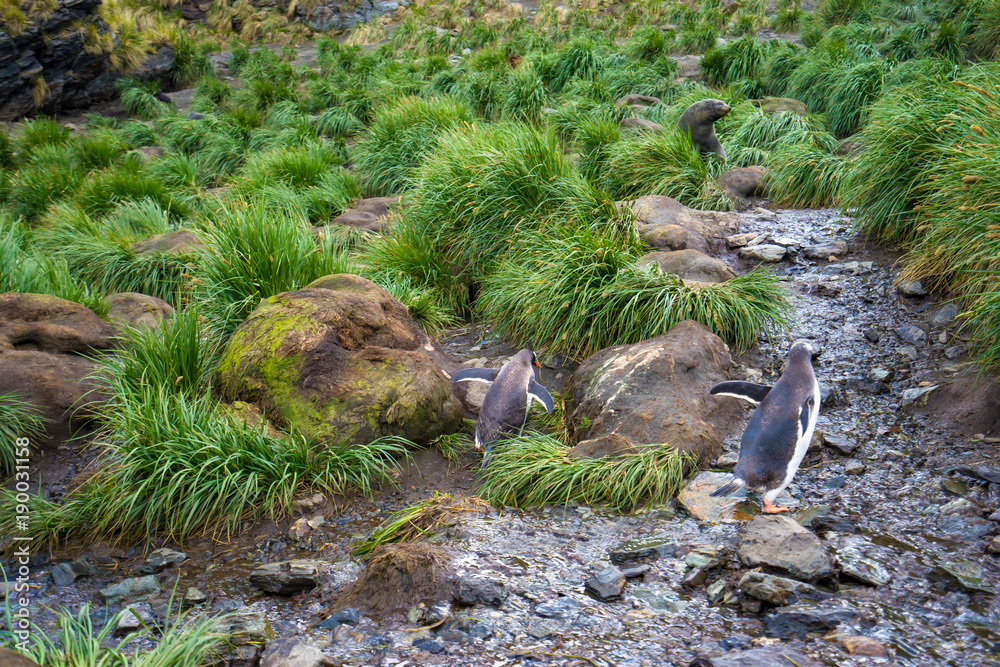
(398,576)
(969,405)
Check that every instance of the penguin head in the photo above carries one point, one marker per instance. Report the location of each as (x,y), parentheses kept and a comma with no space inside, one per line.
(528,358)
(801,351)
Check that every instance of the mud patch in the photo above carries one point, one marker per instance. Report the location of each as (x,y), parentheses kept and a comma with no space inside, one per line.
(399,576)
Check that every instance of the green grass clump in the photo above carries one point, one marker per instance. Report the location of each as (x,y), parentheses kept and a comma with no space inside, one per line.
(853,94)
(533,469)
(663,163)
(254,251)
(400,137)
(475,192)
(525,95)
(804,175)
(739,59)
(180,641)
(18,419)
(138,100)
(887,179)
(581,292)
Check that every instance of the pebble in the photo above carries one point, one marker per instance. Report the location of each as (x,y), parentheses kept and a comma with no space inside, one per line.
(470,591)
(135,587)
(636,549)
(861,645)
(854,468)
(912,334)
(911,288)
(135,617)
(763,253)
(607,584)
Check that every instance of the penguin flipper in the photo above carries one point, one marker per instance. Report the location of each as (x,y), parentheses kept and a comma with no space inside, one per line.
(542,395)
(748,391)
(728,488)
(475,375)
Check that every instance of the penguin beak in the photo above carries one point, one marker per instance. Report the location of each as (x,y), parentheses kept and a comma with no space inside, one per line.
(534,360)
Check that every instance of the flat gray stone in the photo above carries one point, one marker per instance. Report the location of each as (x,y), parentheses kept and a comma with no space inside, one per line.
(911,288)
(961,575)
(246,627)
(801,619)
(607,584)
(917,396)
(912,334)
(780,543)
(160,560)
(136,617)
(777,590)
(825,250)
(695,499)
(65,574)
(772,656)
(291,653)
(287,577)
(946,315)
(136,587)
(762,253)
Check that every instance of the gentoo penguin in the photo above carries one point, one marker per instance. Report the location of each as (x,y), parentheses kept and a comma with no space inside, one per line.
(779,431)
(505,408)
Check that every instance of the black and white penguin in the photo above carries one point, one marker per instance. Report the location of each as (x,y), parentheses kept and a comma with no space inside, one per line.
(505,408)
(779,432)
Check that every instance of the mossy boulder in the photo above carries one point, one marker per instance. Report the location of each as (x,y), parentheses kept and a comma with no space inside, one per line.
(344,362)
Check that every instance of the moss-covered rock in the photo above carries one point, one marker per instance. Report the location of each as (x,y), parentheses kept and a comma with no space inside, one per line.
(344,363)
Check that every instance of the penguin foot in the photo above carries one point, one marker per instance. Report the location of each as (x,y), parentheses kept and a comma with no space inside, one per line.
(768,508)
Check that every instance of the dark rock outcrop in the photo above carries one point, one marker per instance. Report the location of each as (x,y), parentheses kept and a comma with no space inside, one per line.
(49,55)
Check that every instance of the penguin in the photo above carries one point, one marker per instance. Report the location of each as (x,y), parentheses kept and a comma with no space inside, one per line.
(780,429)
(512,388)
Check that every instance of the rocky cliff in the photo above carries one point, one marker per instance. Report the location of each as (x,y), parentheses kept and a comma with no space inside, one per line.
(55,61)
(323,15)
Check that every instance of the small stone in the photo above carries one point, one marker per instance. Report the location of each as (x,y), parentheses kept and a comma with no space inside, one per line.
(65,574)
(871,335)
(861,645)
(917,396)
(777,590)
(244,626)
(136,616)
(716,591)
(428,645)
(470,591)
(961,575)
(287,577)
(800,620)
(695,578)
(954,352)
(560,608)
(911,288)
(763,253)
(912,334)
(607,584)
(316,521)
(839,444)
(636,549)
(994,546)
(780,543)
(825,250)
(300,528)
(135,587)
(882,374)
(160,560)
(291,653)
(194,596)
(740,240)
(836,482)
(854,468)
(865,570)
(727,461)
(908,351)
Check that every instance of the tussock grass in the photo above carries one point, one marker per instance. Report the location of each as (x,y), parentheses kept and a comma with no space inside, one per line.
(426,519)
(533,469)
(581,292)
(664,163)
(805,176)
(400,138)
(18,419)
(254,251)
(181,641)
(886,180)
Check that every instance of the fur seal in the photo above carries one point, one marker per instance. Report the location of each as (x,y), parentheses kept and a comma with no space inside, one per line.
(505,408)
(779,432)
(698,121)
(163,97)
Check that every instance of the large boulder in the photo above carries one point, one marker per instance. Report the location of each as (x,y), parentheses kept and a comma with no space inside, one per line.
(370,214)
(179,242)
(780,544)
(50,324)
(742,183)
(138,311)
(689,265)
(773,105)
(63,387)
(656,391)
(666,224)
(344,362)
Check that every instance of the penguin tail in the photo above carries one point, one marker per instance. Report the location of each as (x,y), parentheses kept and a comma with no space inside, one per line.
(729,488)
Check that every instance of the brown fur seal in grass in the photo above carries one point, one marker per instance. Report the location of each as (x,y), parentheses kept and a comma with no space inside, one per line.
(698,120)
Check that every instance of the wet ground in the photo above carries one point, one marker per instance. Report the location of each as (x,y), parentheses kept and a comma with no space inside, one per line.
(911,510)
